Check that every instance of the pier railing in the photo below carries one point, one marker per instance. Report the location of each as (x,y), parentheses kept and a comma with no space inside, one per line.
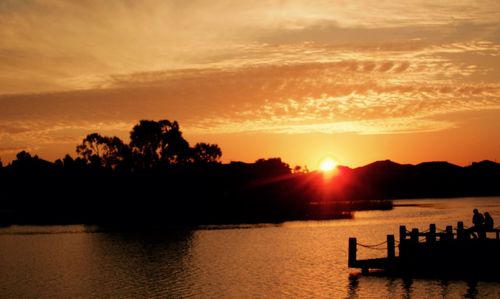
(409,240)
(353,262)
(462,233)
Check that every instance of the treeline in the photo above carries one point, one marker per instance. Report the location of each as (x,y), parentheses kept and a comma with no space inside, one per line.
(159,179)
(153,144)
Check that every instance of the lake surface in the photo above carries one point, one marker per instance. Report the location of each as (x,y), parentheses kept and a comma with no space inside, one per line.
(305,259)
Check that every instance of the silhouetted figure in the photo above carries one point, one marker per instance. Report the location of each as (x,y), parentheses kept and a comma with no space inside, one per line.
(488,221)
(478,221)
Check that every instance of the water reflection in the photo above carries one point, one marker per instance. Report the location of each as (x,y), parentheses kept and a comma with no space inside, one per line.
(305,259)
(407,287)
(444,288)
(472,291)
(363,286)
(144,262)
(391,285)
(352,291)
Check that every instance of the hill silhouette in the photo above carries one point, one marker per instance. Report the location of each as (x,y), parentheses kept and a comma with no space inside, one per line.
(159,179)
(431,179)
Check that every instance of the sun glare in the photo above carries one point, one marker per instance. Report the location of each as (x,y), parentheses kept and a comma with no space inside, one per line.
(327,165)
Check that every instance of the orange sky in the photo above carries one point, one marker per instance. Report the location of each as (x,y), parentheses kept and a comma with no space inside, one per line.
(356,80)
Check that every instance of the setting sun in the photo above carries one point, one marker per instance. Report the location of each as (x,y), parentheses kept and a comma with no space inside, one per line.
(327,165)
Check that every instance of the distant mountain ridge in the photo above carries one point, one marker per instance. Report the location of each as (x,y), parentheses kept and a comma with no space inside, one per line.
(429,179)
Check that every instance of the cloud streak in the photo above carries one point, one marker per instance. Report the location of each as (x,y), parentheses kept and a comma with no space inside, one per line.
(322,97)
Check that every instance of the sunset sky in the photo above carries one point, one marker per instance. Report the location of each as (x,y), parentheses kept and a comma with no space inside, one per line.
(355,80)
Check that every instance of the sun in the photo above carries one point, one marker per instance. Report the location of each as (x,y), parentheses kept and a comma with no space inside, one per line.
(327,164)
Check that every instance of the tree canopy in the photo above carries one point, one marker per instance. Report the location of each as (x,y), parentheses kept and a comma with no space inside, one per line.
(205,152)
(152,144)
(108,152)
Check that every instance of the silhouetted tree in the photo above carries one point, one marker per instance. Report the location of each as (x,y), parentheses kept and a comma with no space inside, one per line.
(24,160)
(24,156)
(97,150)
(206,153)
(174,148)
(59,164)
(273,166)
(31,165)
(158,142)
(117,153)
(91,147)
(145,140)
(68,161)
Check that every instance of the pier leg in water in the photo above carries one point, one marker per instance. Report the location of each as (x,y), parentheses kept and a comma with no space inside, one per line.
(431,236)
(390,247)
(402,234)
(449,232)
(414,236)
(352,252)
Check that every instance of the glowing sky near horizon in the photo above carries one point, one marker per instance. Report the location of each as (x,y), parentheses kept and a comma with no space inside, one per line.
(356,80)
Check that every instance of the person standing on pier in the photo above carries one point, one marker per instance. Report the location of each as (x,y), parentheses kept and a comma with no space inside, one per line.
(488,221)
(478,221)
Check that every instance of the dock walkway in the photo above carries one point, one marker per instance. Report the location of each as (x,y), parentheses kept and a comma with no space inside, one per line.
(450,251)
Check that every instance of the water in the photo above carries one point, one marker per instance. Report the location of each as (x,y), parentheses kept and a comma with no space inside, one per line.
(292,260)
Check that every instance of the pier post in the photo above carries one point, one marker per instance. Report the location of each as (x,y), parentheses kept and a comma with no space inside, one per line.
(449,232)
(460,230)
(414,235)
(352,252)
(390,247)
(431,236)
(402,234)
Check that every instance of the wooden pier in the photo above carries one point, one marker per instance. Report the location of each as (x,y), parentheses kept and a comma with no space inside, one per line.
(451,252)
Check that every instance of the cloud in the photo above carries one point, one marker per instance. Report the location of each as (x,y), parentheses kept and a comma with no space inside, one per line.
(33,134)
(334,96)
(70,68)
(401,125)
(58,45)
(14,150)
(379,110)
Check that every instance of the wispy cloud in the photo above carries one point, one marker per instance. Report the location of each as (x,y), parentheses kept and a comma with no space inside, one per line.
(335,97)
(14,150)
(59,45)
(363,127)
(34,134)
